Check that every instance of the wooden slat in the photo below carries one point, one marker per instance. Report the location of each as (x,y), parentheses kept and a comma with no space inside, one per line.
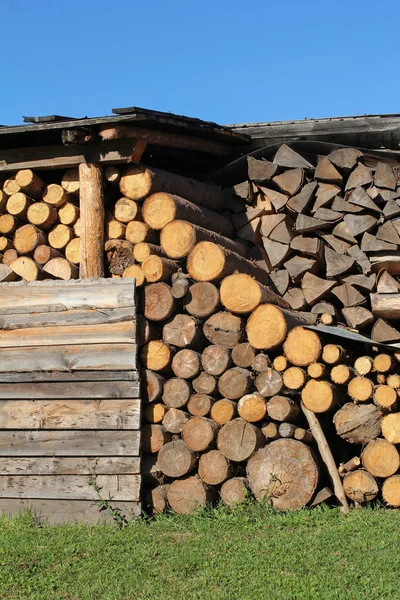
(66,318)
(70,487)
(55,512)
(76,376)
(96,357)
(69,443)
(49,296)
(107,333)
(70,414)
(47,465)
(68,389)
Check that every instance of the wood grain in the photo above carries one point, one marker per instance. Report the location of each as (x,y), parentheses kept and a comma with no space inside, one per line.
(48,465)
(68,389)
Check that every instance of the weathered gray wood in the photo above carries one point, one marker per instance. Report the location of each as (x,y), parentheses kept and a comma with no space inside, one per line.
(66,318)
(96,357)
(70,414)
(69,443)
(48,465)
(76,376)
(54,512)
(386,306)
(66,389)
(106,333)
(49,296)
(70,487)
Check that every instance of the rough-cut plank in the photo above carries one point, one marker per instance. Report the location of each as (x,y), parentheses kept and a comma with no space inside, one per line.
(69,443)
(55,512)
(68,389)
(55,296)
(67,318)
(96,357)
(70,487)
(70,414)
(48,465)
(92,220)
(122,333)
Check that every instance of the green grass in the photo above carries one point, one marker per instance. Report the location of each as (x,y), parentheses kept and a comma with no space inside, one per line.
(251,553)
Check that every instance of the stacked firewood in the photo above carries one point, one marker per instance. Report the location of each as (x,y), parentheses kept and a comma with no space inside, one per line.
(39,227)
(324,227)
(229,369)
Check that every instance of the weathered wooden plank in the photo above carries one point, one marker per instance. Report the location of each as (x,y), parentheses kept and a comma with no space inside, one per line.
(55,512)
(48,465)
(96,357)
(70,487)
(67,318)
(70,414)
(76,376)
(67,389)
(56,296)
(69,443)
(106,333)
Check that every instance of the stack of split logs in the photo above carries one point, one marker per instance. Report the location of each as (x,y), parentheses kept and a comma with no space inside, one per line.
(39,227)
(235,385)
(325,227)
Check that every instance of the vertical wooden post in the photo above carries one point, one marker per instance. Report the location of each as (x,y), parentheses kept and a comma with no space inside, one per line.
(92,221)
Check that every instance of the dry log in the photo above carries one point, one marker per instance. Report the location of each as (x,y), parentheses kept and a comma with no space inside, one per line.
(300,202)
(60,268)
(316,370)
(286,430)
(337,264)
(154,413)
(175,459)
(43,254)
(70,181)
(302,347)
(152,385)
(275,252)
(261,362)
(199,433)
(139,182)
(252,407)
(68,213)
(385,397)
(268,326)
(156,355)
(215,359)
(134,272)
(383,176)
(126,210)
(298,266)
(383,363)
(157,268)
(73,251)
(391,428)
(27,238)
(281,408)
(143,250)
(154,436)
(280,363)
(224,329)
(202,299)
(319,396)
(55,195)
(18,204)
(235,383)
(295,298)
(60,236)
(26,268)
(234,490)
(302,435)
(294,378)
(31,184)
(360,486)
(174,420)
(393,381)
(9,256)
(115,230)
(159,304)
(350,465)
(187,495)
(238,440)
(360,389)
(176,392)
(181,331)
(5,244)
(332,354)
(214,468)
(306,245)
(380,458)
(137,231)
(205,383)
(345,158)
(210,262)
(348,295)
(200,404)
(341,374)
(186,364)
(284,473)
(327,172)
(160,209)
(178,239)
(243,355)
(158,498)
(241,294)
(223,411)
(391,491)
(42,215)
(358,423)
(269,382)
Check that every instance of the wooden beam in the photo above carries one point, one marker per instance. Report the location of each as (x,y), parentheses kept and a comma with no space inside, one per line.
(92,221)
(165,138)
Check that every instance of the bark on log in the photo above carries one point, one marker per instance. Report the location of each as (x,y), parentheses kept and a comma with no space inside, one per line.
(358,423)
(224,329)
(159,209)
(139,182)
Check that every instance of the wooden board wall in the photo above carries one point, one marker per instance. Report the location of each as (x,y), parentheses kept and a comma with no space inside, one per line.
(69,398)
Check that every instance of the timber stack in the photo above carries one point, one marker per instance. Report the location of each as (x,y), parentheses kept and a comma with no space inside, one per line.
(233,379)
(39,227)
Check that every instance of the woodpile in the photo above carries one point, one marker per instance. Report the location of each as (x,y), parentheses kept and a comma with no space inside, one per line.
(39,227)
(235,386)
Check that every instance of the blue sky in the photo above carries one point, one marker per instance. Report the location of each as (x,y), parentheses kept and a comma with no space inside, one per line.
(217,60)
